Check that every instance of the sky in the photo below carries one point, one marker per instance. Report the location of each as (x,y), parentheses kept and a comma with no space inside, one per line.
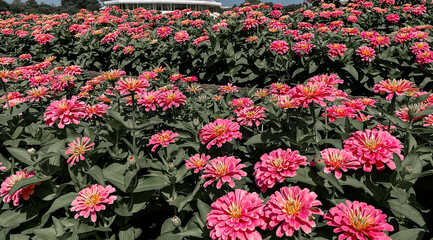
(226,3)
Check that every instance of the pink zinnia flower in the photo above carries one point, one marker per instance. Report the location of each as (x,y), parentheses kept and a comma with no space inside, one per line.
(303,47)
(336,159)
(43,38)
(91,200)
(96,110)
(219,132)
(248,115)
(201,39)
(236,216)
(276,166)
(314,92)
(393,18)
(357,220)
(10,181)
(66,111)
(374,147)
(240,103)
(163,138)
(228,88)
(77,148)
(339,111)
(366,53)
(163,32)
(128,50)
(171,98)
(330,80)
(428,121)
(293,208)
(398,87)
(336,49)
(149,100)
(181,36)
(223,169)
(37,93)
(280,47)
(197,162)
(128,85)
(424,57)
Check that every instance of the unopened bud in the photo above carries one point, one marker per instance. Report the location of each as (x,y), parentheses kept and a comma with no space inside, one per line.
(196,122)
(176,221)
(408,170)
(320,164)
(171,168)
(131,161)
(31,151)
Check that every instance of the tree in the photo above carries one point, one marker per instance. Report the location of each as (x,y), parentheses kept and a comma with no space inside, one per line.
(74,6)
(17,6)
(4,6)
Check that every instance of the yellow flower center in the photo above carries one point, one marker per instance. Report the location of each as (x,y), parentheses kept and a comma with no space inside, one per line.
(358,221)
(219,130)
(221,168)
(235,210)
(371,143)
(92,200)
(291,206)
(277,162)
(163,137)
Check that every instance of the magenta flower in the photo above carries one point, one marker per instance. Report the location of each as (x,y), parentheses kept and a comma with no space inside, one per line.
(358,221)
(223,169)
(66,111)
(294,209)
(219,132)
(91,200)
(276,166)
(197,162)
(374,147)
(163,138)
(236,216)
(77,148)
(336,159)
(280,47)
(10,181)
(315,92)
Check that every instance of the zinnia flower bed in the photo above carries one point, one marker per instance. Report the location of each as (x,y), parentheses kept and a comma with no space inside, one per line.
(158,156)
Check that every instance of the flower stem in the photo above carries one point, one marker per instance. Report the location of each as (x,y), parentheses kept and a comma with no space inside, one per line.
(391,110)
(313,114)
(7,98)
(134,147)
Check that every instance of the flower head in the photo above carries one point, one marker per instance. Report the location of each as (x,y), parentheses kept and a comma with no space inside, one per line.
(248,115)
(181,36)
(2,168)
(374,147)
(336,49)
(280,47)
(219,132)
(366,53)
(77,148)
(357,220)
(37,93)
(163,138)
(236,215)
(169,98)
(66,111)
(399,87)
(10,181)
(91,200)
(336,159)
(223,169)
(276,166)
(313,92)
(197,162)
(294,208)
(128,85)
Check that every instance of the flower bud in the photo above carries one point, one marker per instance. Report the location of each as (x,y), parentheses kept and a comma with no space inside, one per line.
(196,122)
(408,170)
(176,221)
(131,161)
(171,168)
(31,152)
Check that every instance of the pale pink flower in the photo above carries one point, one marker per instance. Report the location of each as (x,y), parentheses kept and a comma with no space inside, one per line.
(276,166)
(163,138)
(77,148)
(228,88)
(357,220)
(336,159)
(149,100)
(197,162)
(66,111)
(236,216)
(37,93)
(219,132)
(91,200)
(294,208)
(2,168)
(330,80)
(374,147)
(223,169)
(10,181)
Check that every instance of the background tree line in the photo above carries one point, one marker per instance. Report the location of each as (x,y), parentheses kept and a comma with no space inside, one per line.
(31,6)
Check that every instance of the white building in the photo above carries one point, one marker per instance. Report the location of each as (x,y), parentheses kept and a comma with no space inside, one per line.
(167,5)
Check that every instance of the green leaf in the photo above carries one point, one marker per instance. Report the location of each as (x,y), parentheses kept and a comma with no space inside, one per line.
(151,183)
(46,233)
(62,201)
(167,226)
(58,227)
(204,209)
(21,154)
(27,182)
(332,180)
(130,233)
(413,234)
(97,174)
(12,218)
(350,69)
(116,179)
(407,211)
